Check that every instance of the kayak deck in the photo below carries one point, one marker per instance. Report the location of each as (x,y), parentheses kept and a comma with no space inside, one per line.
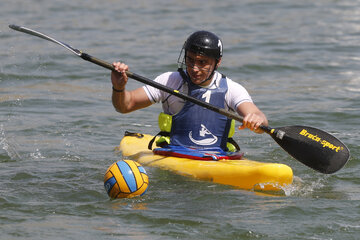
(245,174)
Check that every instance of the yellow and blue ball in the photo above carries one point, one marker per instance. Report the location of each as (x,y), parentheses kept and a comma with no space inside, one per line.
(125,179)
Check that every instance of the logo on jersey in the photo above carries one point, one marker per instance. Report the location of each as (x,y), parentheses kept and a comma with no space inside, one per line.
(209,138)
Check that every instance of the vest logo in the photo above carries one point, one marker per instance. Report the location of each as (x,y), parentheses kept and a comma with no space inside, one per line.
(204,132)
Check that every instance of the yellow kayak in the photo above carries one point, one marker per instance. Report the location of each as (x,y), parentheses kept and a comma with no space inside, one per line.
(245,174)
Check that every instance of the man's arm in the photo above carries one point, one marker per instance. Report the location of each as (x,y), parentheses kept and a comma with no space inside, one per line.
(253,117)
(126,101)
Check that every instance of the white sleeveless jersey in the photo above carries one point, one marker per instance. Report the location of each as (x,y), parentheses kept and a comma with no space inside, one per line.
(171,104)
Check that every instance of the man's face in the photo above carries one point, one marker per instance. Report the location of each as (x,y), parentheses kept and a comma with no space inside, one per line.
(199,67)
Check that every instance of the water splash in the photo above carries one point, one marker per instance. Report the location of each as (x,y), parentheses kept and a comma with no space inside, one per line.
(304,188)
(299,187)
(8,145)
(37,154)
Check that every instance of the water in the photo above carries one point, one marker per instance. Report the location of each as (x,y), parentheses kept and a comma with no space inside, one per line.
(299,61)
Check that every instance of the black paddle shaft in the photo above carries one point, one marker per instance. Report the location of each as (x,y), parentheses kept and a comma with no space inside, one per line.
(313,147)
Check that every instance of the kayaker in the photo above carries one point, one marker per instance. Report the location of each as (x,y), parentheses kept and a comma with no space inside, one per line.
(191,125)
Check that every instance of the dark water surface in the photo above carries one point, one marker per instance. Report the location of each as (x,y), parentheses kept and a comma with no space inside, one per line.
(298,59)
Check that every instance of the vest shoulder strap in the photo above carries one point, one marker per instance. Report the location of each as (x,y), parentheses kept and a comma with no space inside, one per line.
(161,133)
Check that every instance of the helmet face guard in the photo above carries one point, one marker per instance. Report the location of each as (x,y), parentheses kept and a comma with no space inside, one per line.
(203,43)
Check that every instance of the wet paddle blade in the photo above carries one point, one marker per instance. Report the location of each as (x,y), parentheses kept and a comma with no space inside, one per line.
(313,147)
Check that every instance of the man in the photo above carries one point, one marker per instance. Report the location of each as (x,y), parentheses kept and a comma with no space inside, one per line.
(193,126)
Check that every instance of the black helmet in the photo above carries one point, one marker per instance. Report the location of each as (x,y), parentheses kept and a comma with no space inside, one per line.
(204,43)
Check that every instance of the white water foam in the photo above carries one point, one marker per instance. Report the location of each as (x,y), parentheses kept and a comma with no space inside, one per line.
(8,144)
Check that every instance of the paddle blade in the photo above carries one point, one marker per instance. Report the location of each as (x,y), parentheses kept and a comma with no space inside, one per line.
(313,147)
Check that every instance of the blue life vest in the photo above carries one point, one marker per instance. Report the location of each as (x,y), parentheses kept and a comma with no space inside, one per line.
(197,127)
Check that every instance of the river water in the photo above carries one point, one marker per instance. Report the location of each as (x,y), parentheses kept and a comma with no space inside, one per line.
(299,60)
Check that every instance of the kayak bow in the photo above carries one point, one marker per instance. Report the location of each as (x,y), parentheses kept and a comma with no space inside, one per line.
(244,174)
